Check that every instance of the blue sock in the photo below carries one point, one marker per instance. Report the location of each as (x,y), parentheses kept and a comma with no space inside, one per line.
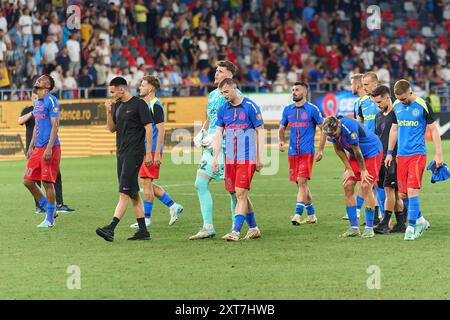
(413,211)
(381,198)
(406,203)
(370,215)
(310,209)
(238,222)
(166,200)
(299,208)
(43,203)
(50,210)
(359,202)
(148,208)
(250,218)
(352,217)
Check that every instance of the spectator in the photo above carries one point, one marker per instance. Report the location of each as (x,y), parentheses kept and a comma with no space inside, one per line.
(383,75)
(31,70)
(3,22)
(314,29)
(58,76)
(37,25)
(55,29)
(15,34)
(63,59)
(4,76)
(86,30)
(69,85)
(103,51)
(308,13)
(92,70)
(104,27)
(253,76)
(26,23)
(3,48)
(323,28)
(412,59)
(442,54)
(292,76)
(141,18)
(203,54)
(101,71)
(50,50)
(73,48)
(367,56)
(85,83)
(333,58)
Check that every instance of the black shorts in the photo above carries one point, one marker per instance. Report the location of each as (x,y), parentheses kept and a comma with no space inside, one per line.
(127,172)
(388,176)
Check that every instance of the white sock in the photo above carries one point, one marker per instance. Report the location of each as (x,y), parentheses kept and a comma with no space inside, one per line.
(173,206)
(409,228)
(421,220)
(208,226)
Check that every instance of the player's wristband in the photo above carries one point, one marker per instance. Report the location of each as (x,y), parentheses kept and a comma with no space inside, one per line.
(390,152)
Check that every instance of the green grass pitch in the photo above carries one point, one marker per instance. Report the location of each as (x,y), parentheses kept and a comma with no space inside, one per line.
(305,262)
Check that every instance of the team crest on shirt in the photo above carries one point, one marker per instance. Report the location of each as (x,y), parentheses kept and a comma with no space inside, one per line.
(415,112)
(354,135)
(242,116)
(304,116)
(55,109)
(259,116)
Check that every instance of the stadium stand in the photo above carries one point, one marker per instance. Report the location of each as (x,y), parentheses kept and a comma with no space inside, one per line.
(274,43)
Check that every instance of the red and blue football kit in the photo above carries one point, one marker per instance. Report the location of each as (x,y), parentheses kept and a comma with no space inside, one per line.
(239,123)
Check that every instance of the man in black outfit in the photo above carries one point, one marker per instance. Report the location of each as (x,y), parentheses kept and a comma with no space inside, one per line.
(131,120)
(26,118)
(387,176)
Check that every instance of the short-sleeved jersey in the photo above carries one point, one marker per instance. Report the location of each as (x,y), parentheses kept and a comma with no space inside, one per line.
(215,101)
(367,110)
(383,124)
(44,110)
(412,121)
(130,118)
(240,123)
(354,132)
(156,108)
(302,122)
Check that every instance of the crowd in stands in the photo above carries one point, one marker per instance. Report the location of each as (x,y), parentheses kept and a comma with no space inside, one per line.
(274,43)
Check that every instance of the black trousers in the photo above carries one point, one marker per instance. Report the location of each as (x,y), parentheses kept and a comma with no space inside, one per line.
(58,190)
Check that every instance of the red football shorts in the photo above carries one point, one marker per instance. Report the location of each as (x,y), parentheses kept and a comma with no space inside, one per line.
(149,171)
(373,166)
(410,171)
(300,166)
(39,169)
(239,174)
